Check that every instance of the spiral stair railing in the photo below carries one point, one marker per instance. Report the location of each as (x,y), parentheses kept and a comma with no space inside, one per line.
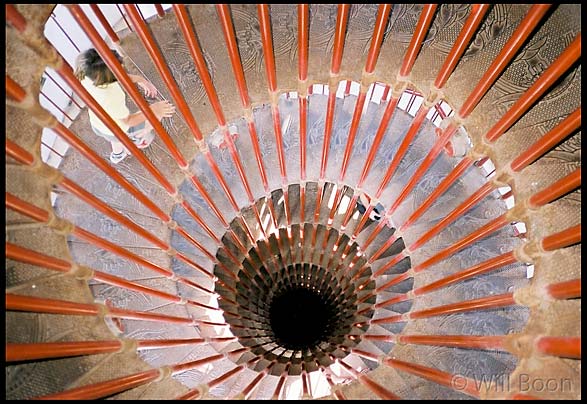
(278,200)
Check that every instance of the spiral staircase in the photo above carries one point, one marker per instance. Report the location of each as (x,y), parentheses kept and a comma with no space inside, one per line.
(351,202)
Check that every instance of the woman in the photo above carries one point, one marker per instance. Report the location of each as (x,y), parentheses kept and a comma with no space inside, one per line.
(101,83)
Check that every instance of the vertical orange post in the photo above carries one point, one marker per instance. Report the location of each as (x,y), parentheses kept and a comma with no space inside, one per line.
(21,254)
(327,133)
(565,290)
(426,163)
(160,10)
(18,153)
(548,141)
(226,376)
(459,169)
(182,367)
(27,209)
(559,188)
(140,315)
(22,352)
(467,204)
(456,341)
(105,23)
(478,11)
(200,63)
(13,90)
(303,107)
(403,148)
(303,40)
(436,376)
(562,239)
(550,76)
(196,52)
(377,38)
(248,390)
(488,302)
(392,282)
(382,249)
(15,18)
(280,384)
(303,43)
(232,48)
(266,39)
(389,110)
(376,388)
(475,236)
(482,268)
(565,347)
(157,58)
(372,56)
(105,389)
(52,306)
(509,50)
(339,37)
(417,38)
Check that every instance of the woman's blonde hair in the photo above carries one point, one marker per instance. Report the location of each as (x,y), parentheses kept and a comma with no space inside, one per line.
(90,64)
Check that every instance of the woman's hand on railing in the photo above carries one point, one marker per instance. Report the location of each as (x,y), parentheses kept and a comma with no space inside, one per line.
(163,109)
(148,87)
